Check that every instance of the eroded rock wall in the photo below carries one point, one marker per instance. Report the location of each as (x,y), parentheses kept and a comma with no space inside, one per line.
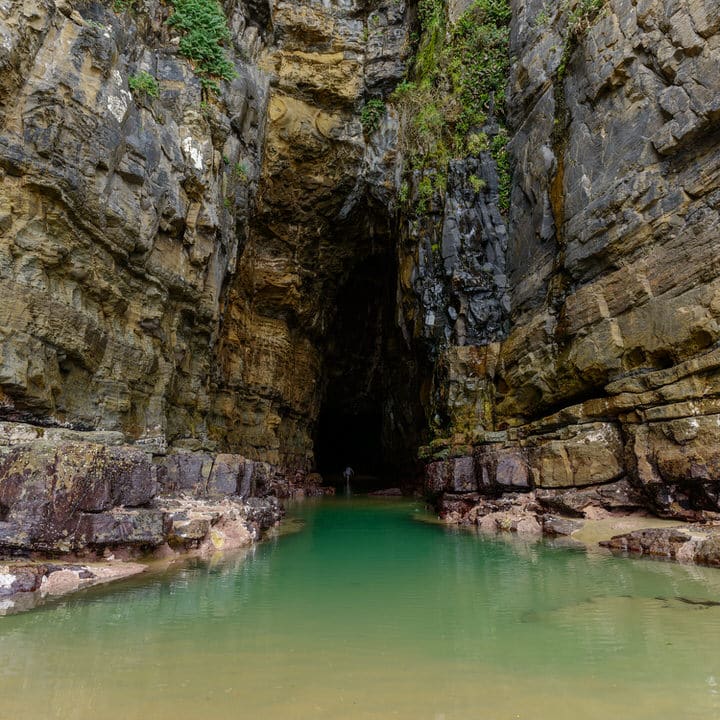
(611,368)
(318,217)
(121,216)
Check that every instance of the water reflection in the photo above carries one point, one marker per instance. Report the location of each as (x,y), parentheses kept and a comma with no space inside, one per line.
(366,614)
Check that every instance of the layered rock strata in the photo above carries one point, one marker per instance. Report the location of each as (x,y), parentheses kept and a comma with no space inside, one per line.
(121,216)
(610,370)
(63,493)
(321,214)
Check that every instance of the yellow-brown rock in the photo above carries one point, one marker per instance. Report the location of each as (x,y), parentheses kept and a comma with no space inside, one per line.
(307,233)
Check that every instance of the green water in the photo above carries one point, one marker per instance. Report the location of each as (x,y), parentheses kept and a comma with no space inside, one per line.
(368,613)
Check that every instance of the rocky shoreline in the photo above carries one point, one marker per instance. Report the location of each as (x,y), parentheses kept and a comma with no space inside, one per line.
(623,531)
(82,508)
(25,584)
(191,527)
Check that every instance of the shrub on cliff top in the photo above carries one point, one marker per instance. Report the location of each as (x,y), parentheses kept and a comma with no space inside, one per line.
(205,29)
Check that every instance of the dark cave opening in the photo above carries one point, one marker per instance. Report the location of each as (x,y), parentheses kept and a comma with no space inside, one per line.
(370,418)
(347,440)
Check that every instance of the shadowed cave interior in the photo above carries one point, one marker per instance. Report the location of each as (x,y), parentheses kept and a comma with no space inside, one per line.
(370,417)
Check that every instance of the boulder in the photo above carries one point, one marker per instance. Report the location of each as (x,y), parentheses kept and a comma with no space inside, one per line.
(620,495)
(184,471)
(228,474)
(678,465)
(144,527)
(455,475)
(577,456)
(45,489)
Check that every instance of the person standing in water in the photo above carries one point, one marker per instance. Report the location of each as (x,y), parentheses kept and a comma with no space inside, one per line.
(347,474)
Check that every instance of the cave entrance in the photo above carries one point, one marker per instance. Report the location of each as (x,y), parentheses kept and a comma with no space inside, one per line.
(355,440)
(370,417)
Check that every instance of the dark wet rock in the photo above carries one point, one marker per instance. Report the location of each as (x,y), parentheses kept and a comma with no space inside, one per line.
(220,475)
(458,287)
(455,475)
(620,495)
(13,538)
(119,527)
(47,489)
(184,471)
(66,497)
(131,476)
(678,466)
(225,475)
(263,512)
(659,542)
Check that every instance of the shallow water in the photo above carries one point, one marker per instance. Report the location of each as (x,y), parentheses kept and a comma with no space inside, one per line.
(368,613)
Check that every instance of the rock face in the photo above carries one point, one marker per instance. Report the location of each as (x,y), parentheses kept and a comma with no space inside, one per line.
(217,279)
(60,496)
(54,497)
(317,222)
(610,368)
(122,216)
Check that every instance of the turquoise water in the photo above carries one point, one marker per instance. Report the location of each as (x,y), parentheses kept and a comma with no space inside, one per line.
(369,613)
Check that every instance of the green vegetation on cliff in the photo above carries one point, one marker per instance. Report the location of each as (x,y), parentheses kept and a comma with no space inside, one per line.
(205,29)
(371,115)
(204,32)
(456,88)
(580,16)
(143,83)
(580,20)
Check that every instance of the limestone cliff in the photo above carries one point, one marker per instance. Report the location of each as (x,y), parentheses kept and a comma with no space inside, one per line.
(610,370)
(279,268)
(122,216)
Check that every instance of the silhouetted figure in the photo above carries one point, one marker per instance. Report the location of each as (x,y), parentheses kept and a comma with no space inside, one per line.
(347,474)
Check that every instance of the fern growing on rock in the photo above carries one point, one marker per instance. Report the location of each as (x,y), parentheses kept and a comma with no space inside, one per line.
(371,115)
(205,29)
